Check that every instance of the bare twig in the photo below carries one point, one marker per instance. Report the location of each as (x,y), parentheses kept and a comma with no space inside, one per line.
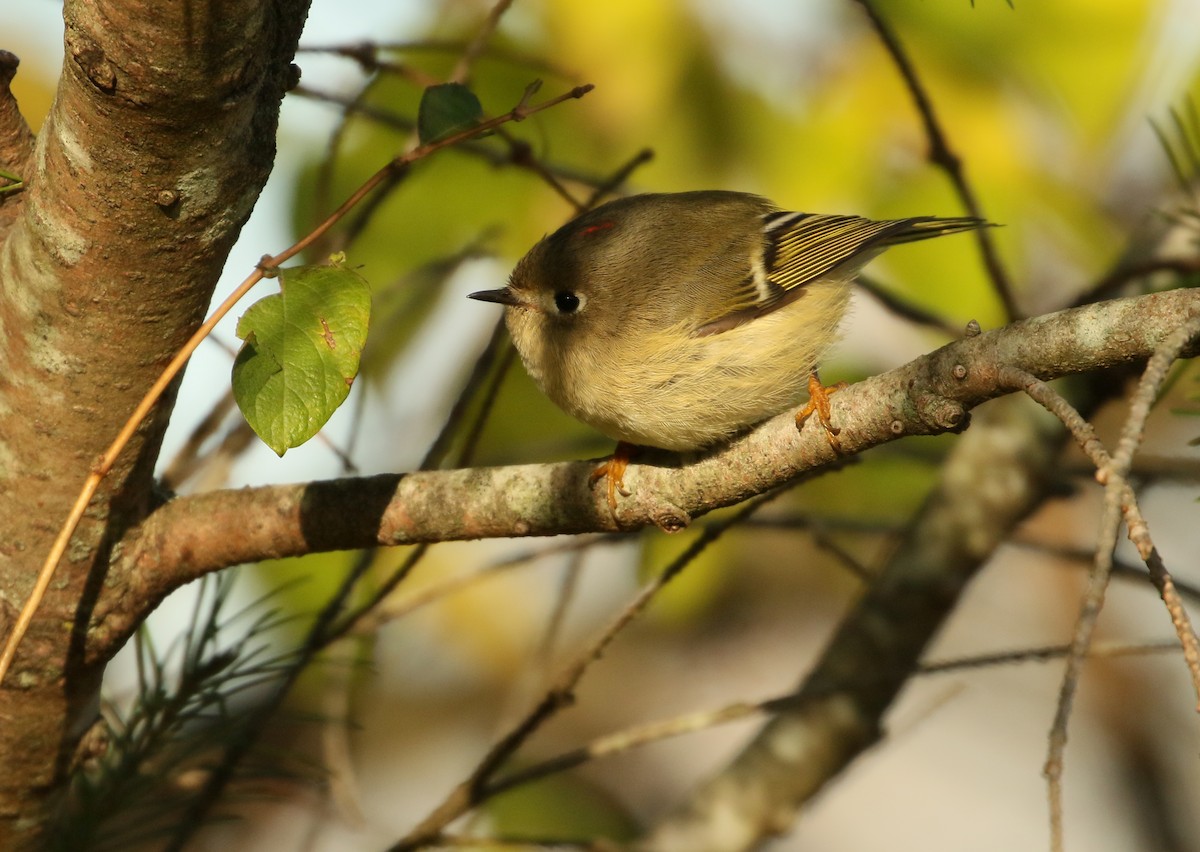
(941,155)
(519,152)
(688,723)
(907,310)
(561,692)
(1118,502)
(521,155)
(366,53)
(446,840)
(1152,380)
(614,182)
(1126,499)
(490,392)
(373,619)
(1111,284)
(567,588)
(336,750)
(846,559)
(1056,404)
(602,188)
(629,739)
(187,460)
(462,70)
(1121,569)
(1041,655)
(492,363)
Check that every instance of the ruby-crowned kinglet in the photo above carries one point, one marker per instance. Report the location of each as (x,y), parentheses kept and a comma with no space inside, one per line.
(678,320)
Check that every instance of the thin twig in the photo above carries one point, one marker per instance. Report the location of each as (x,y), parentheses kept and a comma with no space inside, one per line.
(462,70)
(188,460)
(601,189)
(846,559)
(1153,378)
(364,213)
(1040,655)
(372,621)
(567,588)
(366,53)
(561,692)
(907,310)
(524,844)
(490,392)
(485,366)
(613,183)
(518,152)
(1110,284)
(1121,569)
(628,739)
(337,720)
(521,155)
(1056,404)
(1125,496)
(688,723)
(1118,502)
(941,155)
(1093,601)
(378,612)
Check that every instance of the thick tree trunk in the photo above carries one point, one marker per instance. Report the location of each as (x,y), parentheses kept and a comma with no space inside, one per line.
(159,141)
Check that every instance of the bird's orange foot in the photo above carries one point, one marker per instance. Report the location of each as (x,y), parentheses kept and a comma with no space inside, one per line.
(818,403)
(613,470)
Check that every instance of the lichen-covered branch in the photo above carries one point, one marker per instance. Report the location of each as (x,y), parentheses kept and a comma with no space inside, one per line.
(192,536)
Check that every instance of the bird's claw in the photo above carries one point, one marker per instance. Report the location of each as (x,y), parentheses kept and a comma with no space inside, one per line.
(818,403)
(613,470)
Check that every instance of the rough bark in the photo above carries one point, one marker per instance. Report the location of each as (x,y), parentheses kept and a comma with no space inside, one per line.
(159,141)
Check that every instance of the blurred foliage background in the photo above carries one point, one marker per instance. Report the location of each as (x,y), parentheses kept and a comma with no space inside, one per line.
(1049,106)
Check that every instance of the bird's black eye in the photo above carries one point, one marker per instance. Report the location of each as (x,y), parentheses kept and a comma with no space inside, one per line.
(566,302)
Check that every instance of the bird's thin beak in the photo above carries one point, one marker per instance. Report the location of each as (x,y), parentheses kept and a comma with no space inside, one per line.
(503,296)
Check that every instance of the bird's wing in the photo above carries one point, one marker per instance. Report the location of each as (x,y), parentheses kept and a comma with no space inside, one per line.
(801,248)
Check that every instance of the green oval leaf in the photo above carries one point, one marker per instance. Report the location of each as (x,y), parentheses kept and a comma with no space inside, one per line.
(447,109)
(301,352)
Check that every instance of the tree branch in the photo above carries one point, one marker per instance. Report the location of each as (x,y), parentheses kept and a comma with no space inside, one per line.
(192,536)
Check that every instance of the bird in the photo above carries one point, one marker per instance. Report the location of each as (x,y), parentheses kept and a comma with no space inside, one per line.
(679,320)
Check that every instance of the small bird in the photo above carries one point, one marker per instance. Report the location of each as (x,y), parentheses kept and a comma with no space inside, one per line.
(679,320)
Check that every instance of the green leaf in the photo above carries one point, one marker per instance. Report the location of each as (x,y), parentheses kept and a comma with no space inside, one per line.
(447,109)
(301,352)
